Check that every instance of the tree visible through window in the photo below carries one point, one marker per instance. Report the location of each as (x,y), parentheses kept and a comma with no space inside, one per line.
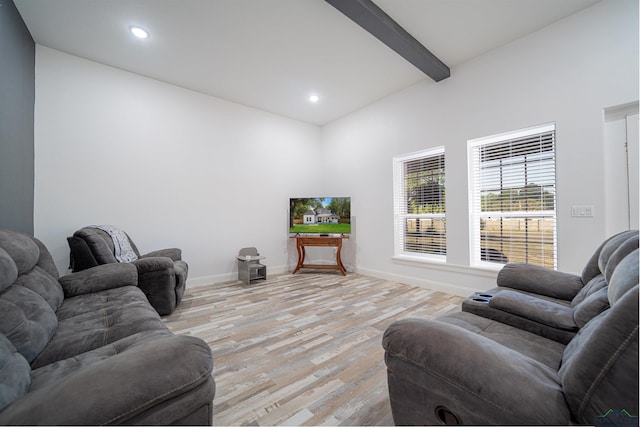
(513,197)
(419,204)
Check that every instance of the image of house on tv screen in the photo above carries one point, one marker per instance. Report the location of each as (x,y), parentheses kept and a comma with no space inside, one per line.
(320,215)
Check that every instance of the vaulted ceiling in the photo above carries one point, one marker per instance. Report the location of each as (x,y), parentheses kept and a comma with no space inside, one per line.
(273,54)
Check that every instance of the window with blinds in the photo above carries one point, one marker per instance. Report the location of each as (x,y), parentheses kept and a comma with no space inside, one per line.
(419,204)
(512,197)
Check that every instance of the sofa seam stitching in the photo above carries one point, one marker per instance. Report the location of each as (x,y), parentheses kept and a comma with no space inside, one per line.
(156,398)
(106,328)
(598,378)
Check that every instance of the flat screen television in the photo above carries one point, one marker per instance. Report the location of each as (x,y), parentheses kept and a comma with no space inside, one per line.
(320,215)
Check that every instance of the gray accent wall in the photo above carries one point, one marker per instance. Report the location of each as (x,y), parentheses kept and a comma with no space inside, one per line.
(17,97)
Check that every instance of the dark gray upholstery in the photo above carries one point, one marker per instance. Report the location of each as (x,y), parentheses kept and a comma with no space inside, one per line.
(14,373)
(549,302)
(162,274)
(468,369)
(89,349)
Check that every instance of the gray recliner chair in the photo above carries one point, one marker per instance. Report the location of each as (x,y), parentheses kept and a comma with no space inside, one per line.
(162,274)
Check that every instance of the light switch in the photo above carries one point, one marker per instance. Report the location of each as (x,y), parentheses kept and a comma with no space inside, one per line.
(582,211)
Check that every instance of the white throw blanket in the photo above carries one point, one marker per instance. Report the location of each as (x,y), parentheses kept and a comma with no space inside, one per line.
(123,250)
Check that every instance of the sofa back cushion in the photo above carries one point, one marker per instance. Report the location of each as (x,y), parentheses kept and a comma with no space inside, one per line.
(15,373)
(595,303)
(620,253)
(592,299)
(8,270)
(91,246)
(597,263)
(36,269)
(599,368)
(624,277)
(27,320)
(99,243)
(615,250)
(29,294)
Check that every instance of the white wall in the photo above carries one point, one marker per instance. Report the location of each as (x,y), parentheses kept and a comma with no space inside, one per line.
(566,73)
(177,168)
(170,166)
(621,168)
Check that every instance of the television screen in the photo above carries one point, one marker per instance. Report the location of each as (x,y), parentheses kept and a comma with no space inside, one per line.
(320,215)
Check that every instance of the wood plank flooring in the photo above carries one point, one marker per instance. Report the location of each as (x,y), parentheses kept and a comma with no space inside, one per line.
(302,349)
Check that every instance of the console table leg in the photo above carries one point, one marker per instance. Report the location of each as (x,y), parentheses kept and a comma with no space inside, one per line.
(301,256)
(339,261)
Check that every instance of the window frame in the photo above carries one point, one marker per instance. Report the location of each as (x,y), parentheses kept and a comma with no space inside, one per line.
(400,204)
(475,203)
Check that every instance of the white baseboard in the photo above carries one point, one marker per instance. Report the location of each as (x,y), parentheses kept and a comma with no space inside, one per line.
(197,282)
(410,280)
(449,288)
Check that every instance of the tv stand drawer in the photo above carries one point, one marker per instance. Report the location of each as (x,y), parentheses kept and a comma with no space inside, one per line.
(319,241)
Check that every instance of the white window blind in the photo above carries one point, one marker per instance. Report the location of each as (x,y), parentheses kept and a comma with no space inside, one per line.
(419,204)
(513,197)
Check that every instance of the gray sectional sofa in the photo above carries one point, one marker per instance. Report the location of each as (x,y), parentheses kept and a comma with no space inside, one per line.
(89,349)
(549,302)
(559,366)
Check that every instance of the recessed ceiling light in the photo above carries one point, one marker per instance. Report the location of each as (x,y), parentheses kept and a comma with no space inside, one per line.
(140,33)
(314,98)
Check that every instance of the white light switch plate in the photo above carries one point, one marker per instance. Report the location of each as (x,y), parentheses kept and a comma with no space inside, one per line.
(582,211)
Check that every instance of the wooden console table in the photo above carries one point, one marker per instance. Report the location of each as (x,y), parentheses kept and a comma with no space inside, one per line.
(326,241)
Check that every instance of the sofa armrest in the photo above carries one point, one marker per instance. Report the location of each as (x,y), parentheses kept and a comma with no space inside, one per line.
(539,310)
(135,386)
(157,279)
(432,364)
(99,278)
(173,253)
(149,264)
(540,280)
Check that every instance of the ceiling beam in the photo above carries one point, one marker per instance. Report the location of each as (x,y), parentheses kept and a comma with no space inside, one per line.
(373,19)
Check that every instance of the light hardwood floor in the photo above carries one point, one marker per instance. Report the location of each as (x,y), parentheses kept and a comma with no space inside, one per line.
(302,349)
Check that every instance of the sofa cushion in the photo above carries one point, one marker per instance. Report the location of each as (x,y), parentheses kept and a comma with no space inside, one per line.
(8,270)
(148,378)
(590,307)
(57,371)
(81,257)
(99,243)
(25,261)
(45,261)
(481,304)
(593,286)
(625,247)
(536,309)
(45,285)
(21,248)
(600,365)
(624,278)
(89,321)
(610,247)
(539,280)
(538,348)
(27,320)
(30,293)
(602,253)
(14,373)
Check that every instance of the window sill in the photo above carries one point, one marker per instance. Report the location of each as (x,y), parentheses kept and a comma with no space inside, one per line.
(436,264)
